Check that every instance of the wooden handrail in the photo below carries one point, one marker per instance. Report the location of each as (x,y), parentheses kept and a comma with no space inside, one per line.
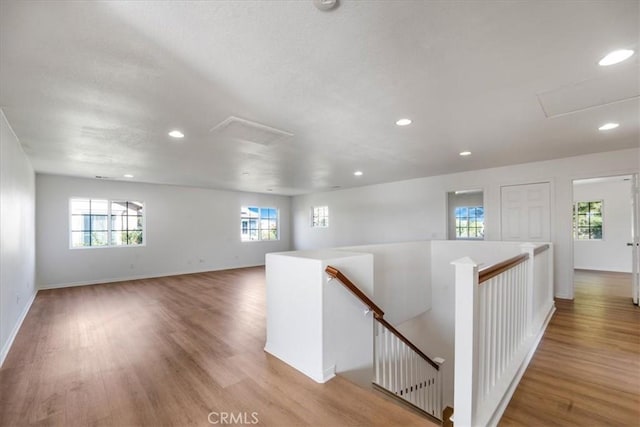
(337,274)
(378,314)
(495,269)
(540,249)
(405,340)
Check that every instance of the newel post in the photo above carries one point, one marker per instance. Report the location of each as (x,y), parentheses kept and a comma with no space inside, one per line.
(529,248)
(466,341)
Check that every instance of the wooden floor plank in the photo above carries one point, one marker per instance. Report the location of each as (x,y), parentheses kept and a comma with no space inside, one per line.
(586,371)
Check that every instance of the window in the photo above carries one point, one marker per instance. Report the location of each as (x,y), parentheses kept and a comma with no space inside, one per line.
(587,220)
(469,222)
(258,224)
(126,223)
(99,222)
(320,216)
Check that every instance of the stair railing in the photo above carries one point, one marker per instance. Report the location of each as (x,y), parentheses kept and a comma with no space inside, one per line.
(501,312)
(401,369)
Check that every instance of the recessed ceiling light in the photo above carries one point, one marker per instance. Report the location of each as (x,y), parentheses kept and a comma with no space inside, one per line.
(465,153)
(176,134)
(358,173)
(615,57)
(403,122)
(609,126)
(128,175)
(325,5)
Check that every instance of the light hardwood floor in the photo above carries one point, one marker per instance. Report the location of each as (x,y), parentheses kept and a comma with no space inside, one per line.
(586,371)
(168,351)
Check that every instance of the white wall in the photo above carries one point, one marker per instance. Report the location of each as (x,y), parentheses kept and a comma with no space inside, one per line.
(416,209)
(402,278)
(611,253)
(17,236)
(187,230)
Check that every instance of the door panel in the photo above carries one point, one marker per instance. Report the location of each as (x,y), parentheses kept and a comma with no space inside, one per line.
(536,222)
(526,212)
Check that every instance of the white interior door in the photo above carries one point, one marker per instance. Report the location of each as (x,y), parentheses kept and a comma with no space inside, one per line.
(635,234)
(525,212)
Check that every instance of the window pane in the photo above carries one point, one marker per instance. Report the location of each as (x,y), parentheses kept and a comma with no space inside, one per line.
(80,222)
(80,239)
(135,223)
(80,206)
(135,237)
(99,238)
(118,208)
(98,223)
(588,220)
(99,207)
(118,237)
(469,222)
(116,222)
(320,216)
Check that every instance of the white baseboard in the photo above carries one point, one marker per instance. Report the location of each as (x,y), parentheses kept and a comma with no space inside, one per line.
(319,377)
(5,349)
(136,277)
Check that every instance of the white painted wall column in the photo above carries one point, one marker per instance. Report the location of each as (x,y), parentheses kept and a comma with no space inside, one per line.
(466,341)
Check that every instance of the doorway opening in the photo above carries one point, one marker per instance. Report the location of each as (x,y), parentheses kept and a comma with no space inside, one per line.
(604,212)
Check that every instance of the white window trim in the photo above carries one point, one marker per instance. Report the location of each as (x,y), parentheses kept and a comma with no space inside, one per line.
(109,200)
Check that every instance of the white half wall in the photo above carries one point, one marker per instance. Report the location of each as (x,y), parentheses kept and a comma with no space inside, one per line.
(317,326)
(611,253)
(17,236)
(187,230)
(416,209)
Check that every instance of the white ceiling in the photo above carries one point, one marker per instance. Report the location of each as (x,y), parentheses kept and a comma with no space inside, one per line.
(92,88)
